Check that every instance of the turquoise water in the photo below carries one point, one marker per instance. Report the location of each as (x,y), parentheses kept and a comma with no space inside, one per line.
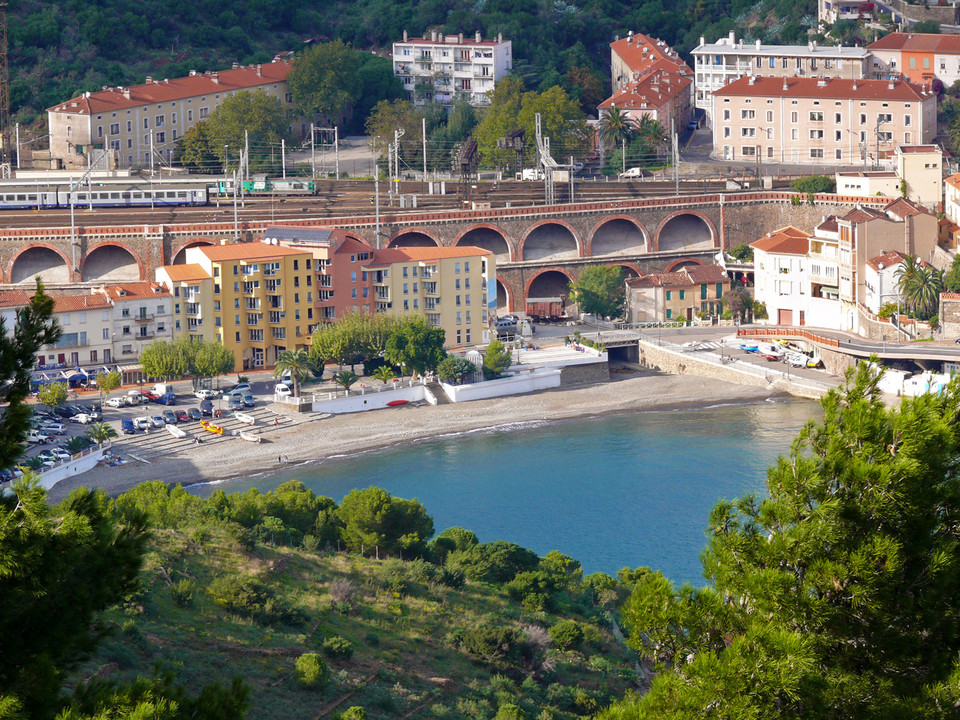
(611,491)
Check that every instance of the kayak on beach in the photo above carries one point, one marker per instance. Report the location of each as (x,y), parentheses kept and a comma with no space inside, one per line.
(207,425)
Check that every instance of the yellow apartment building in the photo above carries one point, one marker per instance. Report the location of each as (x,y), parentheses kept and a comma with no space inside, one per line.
(255,298)
(450,286)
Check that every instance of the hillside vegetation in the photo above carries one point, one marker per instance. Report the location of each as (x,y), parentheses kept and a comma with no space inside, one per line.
(253,585)
(59,48)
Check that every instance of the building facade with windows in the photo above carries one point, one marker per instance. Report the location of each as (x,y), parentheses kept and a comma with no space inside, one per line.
(142,312)
(131,122)
(830,11)
(920,167)
(718,64)
(820,120)
(87,325)
(921,57)
(444,68)
(450,286)
(681,295)
(342,286)
(252,297)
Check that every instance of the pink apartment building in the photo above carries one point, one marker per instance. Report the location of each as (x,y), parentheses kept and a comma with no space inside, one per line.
(820,120)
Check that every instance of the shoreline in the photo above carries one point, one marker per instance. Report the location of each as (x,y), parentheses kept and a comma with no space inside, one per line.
(356,433)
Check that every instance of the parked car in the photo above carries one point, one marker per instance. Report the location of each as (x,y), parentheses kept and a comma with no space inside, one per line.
(127,427)
(64,411)
(282,391)
(239,387)
(82,418)
(136,397)
(169,417)
(51,428)
(248,400)
(10,474)
(235,402)
(61,453)
(633,172)
(181,415)
(149,396)
(505,327)
(142,423)
(206,407)
(35,436)
(166,399)
(116,402)
(157,421)
(205,394)
(195,414)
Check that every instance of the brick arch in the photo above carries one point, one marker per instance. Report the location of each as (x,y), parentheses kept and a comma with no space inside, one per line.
(506,291)
(683,261)
(541,271)
(714,235)
(191,243)
(409,230)
(550,221)
(66,261)
(511,246)
(632,266)
(647,238)
(114,243)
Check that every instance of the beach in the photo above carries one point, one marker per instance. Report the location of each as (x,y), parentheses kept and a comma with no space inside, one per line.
(314,439)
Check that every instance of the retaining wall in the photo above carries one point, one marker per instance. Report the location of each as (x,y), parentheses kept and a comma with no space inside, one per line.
(515,385)
(373,400)
(81,464)
(585,373)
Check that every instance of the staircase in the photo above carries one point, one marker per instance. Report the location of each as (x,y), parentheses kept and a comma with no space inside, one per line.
(436,389)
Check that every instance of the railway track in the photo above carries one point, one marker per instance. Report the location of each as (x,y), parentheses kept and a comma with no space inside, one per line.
(338,199)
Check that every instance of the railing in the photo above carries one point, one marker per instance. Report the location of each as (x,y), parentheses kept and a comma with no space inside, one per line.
(781,330)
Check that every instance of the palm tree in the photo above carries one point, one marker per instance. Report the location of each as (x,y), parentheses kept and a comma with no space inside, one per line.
(101,432)
(384,374)
(616,126)
(78,444)
(345,378)
(652,133)
(299,364)
(920,285)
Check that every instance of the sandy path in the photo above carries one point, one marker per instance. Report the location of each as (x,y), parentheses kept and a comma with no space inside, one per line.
(188,463)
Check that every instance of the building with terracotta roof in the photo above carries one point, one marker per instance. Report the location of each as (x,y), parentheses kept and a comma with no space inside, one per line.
(130,122)
(255,298)
(86,338)
(142,313)
(719,63)
(881,280)
(443,68)
(820,120)
(921,57)
(649,78)
(454,287)
(690,291)
(785,281)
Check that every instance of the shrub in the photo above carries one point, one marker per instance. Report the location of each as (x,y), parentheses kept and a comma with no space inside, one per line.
(337,647)
(510,712)
(311,670)
(462,539)
(273,531)
(451,578)
(813,184)
(491,644)
(536,589)
(421,571)
(567,634)
(497,562)
(182,593)
(394,577)
(353,713)
(242,536)
(249,597)
(310,543)
(372,639)
(341,591)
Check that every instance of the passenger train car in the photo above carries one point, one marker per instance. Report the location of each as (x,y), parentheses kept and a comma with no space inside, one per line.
(39,197)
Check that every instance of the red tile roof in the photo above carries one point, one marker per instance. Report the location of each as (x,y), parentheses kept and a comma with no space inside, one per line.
(653,90)
(785,241)
(423,254)
(249,251)
(753,86)
(157,91)
(829,224)
(918,42)
(184,273)
(75,303)
(641,52)
(687,276)
(904,208)
(886,260)
(861,214)
(135,291)
(705,273)
(14,298)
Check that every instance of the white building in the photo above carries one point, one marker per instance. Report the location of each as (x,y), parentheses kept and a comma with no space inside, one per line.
(885,183)
(920,167)
(881,280)
(830,11)
(142,313)
(721,63)
(443,68)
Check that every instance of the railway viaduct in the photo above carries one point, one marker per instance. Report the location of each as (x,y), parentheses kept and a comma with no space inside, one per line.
(539,249)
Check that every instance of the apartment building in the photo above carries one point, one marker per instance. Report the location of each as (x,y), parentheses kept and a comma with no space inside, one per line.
(830,11)
(638,54)
(131,122)
(868,183)
(252,297)
(444,68)
(881,279)
(920,167)
(141,313)
(87,339)
(342,286)
(921,57)
(451,286)
(951,198)
(718,64)
(681,295)
(820,120)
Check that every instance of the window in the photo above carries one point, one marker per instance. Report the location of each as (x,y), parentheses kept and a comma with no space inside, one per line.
(703,291)
(748,114)
(769,115)
(838,154)
(726,114)
(816,153)
(189,115)
(683,294)
(456,267)
(466,267)
(906,120)
(837,135)
(459,321)
(161,137)
(748,132)
(726,132)
(405,289)
(793,116)
(837,118)
(129,125)
(114,128)
(405,271)
(795,134)
(668,294)
(158,121)
(816,116)
(748,151)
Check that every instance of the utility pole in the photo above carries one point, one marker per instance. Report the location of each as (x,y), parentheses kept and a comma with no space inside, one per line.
(246,152)
(236,223)
(151,154)
(423,133)
(313,156)
(397,134)
(283,156)
(18,146)
(4,87)
(376,191)
(336,148)
(675,151)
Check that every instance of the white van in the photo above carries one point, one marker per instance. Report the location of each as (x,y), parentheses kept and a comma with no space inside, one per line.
(161,389)
(632,173)
(282,391)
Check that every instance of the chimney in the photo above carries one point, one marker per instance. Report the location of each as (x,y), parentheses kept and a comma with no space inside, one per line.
(499,37)
(786,86)
(236,65)
(758,44)
(125,92)
(629,33)
(460,38)
(753,79)
(822,82)
(404,35)
(701,40)
(733,38)
(149,79)
(259,70)
(854,85)
(215,76)
(478,37)
(193,73)
(890,85)
(433,35)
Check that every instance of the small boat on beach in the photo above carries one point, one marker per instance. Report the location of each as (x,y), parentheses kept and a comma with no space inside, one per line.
(249,437)
(176,432)
(770,352)
(749,347)
(245,418)
(207,425)
(397,403)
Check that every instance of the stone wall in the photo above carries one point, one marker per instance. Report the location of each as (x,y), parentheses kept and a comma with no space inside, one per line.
(950,315)
(746,223)
(585,373)
(943,14)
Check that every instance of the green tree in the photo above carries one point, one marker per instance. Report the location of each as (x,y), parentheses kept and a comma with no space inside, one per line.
(298,363)
(616,127)
(416,346)
(599,290)
(53,394)
(197,150)
(323,80)
(825,595)
(455,369)
(496,359)
(261,116)
(926,26)
(920,286)
(814,184)
(346,379)
(384,374)
(101,432)
(951,279)
(107,383)
(388,116)
(164,360)
(209,360)
(374,519)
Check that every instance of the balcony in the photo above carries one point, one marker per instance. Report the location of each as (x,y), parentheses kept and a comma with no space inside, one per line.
(383,306)
(324,281)
(433,319)
(382,293)
(143,317)
(193,309)
(424,59)
(324,295)
(252,304)
(430,288)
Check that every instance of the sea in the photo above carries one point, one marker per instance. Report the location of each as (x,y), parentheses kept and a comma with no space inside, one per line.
(611,491)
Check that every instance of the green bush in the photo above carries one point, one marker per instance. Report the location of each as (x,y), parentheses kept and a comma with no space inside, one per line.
(353,713)
(451,578)
(536,589)
(567,635)
(337,647)
(182,593)
(394,576)
(491,644)
(495,562)
(813,184)
(510,712)
(311,670)
(249,597)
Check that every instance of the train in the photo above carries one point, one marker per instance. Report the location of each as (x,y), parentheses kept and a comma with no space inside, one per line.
(137,191)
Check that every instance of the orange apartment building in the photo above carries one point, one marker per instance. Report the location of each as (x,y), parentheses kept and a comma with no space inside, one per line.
(820,120)
(921,57)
